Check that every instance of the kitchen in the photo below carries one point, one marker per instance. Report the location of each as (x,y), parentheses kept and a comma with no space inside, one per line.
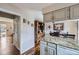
(61,32)
(51,30)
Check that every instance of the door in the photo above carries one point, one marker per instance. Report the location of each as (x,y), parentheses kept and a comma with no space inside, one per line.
(42,48)
(47,48)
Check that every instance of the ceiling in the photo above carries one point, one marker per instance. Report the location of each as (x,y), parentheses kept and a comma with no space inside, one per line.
(41,6)
(56,6)
(35,6)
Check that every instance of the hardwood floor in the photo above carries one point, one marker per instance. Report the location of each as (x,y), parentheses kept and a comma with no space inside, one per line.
(7,48)
(37,50)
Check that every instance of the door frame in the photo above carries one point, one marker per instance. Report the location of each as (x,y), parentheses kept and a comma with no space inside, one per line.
(19,16)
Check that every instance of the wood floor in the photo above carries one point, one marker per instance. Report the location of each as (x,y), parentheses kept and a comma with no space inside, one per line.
(7,48)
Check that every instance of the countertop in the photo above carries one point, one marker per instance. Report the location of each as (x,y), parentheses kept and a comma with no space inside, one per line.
(66,42)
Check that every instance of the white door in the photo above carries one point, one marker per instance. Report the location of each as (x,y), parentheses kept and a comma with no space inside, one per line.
(42,48)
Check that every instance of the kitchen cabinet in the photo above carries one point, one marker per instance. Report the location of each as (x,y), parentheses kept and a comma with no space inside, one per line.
(71,12)
(61,14)
(42,47)
(52,49)
(61,50)
(48,17)
(47,48)
(74,12)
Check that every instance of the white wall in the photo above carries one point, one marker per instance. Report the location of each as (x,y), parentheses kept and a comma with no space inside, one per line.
(70,26)
(47,30)
(27,32)
(27,37)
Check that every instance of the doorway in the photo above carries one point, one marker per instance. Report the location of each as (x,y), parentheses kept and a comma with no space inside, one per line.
(9,42)
(39,33)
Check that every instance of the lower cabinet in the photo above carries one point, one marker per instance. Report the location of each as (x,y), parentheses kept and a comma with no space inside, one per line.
(47,48)
(66,51)
(42,48)
(53,49)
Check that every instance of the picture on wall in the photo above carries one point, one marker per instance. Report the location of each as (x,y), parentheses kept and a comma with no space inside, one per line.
(24,20)
(58,26)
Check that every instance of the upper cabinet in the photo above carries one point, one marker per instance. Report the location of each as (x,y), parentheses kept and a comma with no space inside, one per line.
(71,12)
(48,17)
(61,14)
(74,12)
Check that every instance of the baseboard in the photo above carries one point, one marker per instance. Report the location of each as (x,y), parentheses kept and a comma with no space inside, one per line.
(30,51)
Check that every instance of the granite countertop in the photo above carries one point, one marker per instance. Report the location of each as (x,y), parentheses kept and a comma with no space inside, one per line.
(66,42)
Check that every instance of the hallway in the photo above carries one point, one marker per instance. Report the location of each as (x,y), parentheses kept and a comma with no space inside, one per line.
(7,48)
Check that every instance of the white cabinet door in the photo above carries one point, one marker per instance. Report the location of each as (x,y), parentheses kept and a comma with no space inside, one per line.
(49,49)
(66,51)
(61,14)
(74,12)
(48,17)
(42,48)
